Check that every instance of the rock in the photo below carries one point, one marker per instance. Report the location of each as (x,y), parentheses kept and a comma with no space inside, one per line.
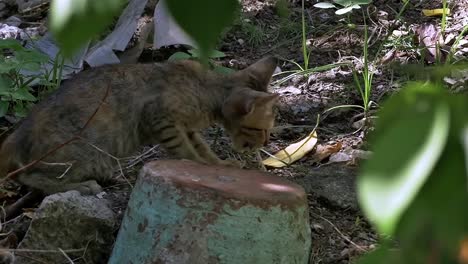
(335,183)
(13,21)
(72,223)
(24,5)
(13,32)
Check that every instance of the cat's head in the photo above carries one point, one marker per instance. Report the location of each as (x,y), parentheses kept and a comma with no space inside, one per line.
(248,111)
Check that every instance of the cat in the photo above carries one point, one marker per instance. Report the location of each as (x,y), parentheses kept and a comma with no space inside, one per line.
(161,103)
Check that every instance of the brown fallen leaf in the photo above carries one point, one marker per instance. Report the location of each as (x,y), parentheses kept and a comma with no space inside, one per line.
(350,156)
(4,193)
(463,255)
(324,151)
(429,37)
(29,212)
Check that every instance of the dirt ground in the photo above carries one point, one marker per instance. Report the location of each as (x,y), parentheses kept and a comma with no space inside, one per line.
(340,232)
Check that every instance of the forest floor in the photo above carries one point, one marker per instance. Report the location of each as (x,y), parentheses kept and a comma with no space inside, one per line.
(340,232)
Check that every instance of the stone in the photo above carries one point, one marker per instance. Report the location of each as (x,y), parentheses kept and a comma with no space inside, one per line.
(81,226)
(335,183)
(24,5)
(184,212)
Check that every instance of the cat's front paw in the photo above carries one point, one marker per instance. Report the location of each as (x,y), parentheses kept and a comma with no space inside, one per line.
(232,163)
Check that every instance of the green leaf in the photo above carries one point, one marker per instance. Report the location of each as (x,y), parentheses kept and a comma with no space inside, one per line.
(348,3)
(203,20)
(410,137)
(8,65)
(214,54)
(382,255)
(179,56)
(4,105)
(324,5)
(23,94)
(20,110)
(33,56)
(346,9)
(10,44)
(74,22)
(5,84)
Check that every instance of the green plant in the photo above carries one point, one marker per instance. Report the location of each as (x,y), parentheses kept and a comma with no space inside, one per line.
(452,51)
(19,71)
(15,90)
(195,54)
(343,6)
(288,27)
(51,79)
(75,22)
(254,33)
(305,51)
(365,88)
(414,188)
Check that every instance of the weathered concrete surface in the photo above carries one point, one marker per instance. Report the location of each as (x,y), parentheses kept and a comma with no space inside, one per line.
(335,182)
(69,221)
(184,212)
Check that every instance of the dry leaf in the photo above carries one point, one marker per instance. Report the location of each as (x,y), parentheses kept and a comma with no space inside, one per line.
(292,152)
(324,151)
(350,156)
(436,12)
(4,193)
(430,37)
(463,255)
(29,212)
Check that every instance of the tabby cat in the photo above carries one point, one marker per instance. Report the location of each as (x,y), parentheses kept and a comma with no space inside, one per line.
(145,104)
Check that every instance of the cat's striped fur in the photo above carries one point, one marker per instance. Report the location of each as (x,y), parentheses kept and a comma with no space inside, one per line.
(147,104)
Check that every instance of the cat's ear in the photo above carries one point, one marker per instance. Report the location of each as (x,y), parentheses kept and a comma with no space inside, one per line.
(258,75)
(260,100)
(243,104)
(266,101)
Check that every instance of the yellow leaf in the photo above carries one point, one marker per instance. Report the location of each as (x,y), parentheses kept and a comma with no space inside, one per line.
(292,152)
(435,12)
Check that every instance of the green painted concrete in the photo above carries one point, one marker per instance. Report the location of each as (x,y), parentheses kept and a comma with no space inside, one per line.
(169,223)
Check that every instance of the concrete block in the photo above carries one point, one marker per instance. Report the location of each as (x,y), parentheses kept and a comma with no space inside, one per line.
(185,212)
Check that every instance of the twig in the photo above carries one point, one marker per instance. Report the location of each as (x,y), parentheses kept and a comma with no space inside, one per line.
(31,258)
(53,150)
(137,159)
(14,209)
(66,256)
(340,233)
(68,164)
(26,250)
(111,156)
